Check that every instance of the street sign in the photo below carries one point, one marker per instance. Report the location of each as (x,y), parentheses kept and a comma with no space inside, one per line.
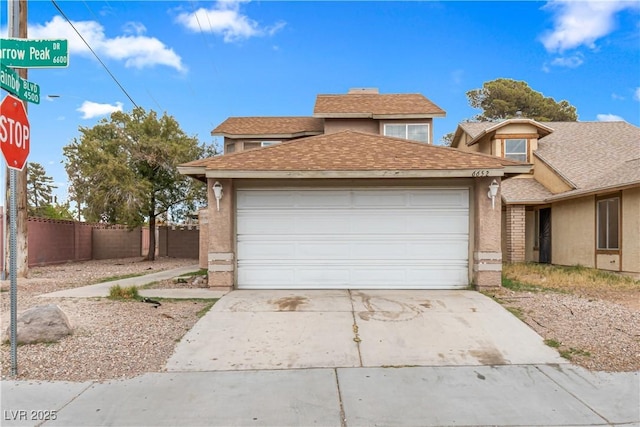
(23,89)
(26,53)
(15,133)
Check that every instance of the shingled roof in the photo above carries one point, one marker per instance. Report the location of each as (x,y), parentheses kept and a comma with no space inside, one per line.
(377,106)
(269,127)
(590,154)
(350,154)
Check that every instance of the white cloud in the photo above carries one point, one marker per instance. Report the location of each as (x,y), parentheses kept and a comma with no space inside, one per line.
(225,18)
(636,94)
(90,109)
(609,118)
(617,97)
(578,23)
(573,61)
(135,49)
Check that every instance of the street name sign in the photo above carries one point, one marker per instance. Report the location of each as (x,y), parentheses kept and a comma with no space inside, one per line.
(23,89)
(15,132)
(26,53)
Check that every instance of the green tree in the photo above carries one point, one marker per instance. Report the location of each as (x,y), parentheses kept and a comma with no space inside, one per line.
(506,98)
(123,170)
(39,188)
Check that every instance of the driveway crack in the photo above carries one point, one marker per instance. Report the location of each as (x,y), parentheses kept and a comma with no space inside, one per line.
(343,417)
(356,337)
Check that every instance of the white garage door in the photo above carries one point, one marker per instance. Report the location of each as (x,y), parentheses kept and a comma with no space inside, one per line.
(355,239)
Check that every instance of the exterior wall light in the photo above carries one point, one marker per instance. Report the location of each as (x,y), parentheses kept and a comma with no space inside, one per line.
(493,192)
(217,192)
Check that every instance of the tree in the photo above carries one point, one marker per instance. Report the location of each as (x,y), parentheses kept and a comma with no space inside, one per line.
(123,170)
(506,98)
(39,188)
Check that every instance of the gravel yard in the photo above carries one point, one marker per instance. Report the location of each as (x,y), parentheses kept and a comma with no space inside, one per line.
(112,339)
(592,318)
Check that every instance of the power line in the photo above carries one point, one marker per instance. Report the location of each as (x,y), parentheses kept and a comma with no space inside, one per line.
(94,54)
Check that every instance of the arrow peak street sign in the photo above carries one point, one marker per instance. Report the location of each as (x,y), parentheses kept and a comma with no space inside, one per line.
(27,53)
(15,132)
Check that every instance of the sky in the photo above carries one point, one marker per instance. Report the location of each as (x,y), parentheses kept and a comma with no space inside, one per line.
(204,61)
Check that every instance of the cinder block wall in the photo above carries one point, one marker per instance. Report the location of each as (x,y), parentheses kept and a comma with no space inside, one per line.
(179,242)
(118,242)
(56,241)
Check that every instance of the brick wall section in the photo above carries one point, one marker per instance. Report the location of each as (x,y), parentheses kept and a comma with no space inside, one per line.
(56,241)
(203,221)
(108,243)
(221,260)
(487,255)
(515,230)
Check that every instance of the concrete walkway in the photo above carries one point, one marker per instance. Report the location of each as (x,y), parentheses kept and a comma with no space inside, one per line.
(516,395)
(102,289)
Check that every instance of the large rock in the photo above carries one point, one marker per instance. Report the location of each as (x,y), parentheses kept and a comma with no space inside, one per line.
(43,323)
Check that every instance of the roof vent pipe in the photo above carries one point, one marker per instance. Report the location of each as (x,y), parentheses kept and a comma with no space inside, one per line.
(367,90)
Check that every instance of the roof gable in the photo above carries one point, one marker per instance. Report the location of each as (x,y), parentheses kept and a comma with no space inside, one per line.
(371,105)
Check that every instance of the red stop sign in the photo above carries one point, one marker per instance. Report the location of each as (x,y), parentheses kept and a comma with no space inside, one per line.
(15,133)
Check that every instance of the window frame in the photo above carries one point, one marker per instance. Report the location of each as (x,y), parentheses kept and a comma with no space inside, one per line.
(406,131)
(607,248)
(506,154)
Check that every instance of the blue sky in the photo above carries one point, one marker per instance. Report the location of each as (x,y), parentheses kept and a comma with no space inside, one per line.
(203,61)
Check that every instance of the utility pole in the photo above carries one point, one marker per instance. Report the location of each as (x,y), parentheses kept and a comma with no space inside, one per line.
(22,258)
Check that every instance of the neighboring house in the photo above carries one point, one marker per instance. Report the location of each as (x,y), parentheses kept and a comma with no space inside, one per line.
(355,197)
(580,205)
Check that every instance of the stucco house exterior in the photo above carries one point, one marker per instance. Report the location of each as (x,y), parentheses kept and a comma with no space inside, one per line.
(580,204)
(354,197)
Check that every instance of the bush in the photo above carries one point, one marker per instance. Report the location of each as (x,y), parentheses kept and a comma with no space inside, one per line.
(118,292)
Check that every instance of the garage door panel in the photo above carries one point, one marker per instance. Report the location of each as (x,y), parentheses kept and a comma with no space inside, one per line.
(377,238)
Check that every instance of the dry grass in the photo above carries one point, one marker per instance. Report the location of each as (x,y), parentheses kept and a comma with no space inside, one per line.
(577,280)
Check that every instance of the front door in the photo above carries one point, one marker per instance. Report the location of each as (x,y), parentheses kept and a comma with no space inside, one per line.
(545,236)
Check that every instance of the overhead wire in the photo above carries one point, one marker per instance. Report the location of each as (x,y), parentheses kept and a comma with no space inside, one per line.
(95,54)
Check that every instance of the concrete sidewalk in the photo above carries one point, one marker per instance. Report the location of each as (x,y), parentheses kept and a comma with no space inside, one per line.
(516,395)
(102,289)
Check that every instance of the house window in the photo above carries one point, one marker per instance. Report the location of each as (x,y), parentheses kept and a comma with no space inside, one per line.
(609,224)
(415,132)
(268,143)
(515,149)
(231,147)
(536,231)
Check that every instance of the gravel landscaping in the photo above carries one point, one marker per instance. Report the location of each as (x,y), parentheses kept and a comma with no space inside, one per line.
(111,339)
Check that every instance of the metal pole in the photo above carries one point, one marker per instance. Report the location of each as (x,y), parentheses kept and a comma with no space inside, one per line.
(13,9)
(13,267)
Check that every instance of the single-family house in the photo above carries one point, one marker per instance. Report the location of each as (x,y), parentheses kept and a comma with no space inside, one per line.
(580,204)
(355,196)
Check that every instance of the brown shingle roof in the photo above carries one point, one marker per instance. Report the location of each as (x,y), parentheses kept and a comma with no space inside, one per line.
(351,151)
(375,105)
(587,153)
(267,126)
(523,190)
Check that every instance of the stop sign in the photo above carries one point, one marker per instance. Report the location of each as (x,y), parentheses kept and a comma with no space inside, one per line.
(14,132)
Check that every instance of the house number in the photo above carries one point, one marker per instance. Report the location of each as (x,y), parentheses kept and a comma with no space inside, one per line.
(480,173)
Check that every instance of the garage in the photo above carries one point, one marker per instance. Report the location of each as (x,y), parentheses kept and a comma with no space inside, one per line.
(355,238)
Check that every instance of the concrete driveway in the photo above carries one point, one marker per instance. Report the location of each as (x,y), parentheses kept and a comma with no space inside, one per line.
(277,329)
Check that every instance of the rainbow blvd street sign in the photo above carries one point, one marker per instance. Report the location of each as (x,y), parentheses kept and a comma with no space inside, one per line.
(15,132)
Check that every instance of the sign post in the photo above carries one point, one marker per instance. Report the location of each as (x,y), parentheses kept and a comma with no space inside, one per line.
(15,135)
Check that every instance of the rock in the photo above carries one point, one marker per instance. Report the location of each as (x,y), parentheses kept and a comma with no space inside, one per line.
(43,323)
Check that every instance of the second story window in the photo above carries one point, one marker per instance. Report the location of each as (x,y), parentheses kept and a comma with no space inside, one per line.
(415,132)
(515,149)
